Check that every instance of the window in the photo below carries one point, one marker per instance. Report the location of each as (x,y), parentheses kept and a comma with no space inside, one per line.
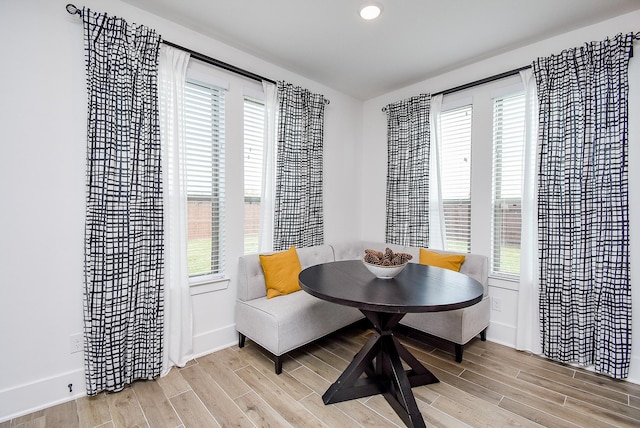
(204,128)
(481,166)
(508,146)
(455,170)
(253,152)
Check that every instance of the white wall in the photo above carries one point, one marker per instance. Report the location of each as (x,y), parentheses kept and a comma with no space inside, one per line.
(503,323)
(42,179)
(42,189)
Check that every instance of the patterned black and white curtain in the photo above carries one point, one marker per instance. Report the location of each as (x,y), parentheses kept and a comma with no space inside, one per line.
(298,217)
(583,205)
(408,148)
(123,297)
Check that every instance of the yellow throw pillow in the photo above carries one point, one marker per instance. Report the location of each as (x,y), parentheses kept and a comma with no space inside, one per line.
(446,261)
(281,272)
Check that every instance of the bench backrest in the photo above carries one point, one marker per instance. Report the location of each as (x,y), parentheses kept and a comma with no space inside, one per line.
(251,283)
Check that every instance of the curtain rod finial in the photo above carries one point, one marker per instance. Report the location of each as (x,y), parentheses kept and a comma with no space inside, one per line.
(72,9)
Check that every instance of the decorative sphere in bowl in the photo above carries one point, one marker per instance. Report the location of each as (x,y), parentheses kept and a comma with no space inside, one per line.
(384,272)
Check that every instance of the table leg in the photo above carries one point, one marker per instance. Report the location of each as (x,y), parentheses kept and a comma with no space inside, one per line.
(349,385)
(400,396)
(387,376)
(419,375)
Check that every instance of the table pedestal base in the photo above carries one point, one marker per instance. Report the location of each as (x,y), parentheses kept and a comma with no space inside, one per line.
(380,360)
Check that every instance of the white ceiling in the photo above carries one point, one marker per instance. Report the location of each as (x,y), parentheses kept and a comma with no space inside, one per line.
(326,40)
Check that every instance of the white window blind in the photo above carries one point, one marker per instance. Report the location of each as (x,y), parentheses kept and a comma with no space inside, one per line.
(455,170)
(253,155)
(508,146)
(204,128)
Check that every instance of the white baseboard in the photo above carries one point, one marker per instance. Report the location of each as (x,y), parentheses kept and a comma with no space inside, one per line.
(503,334)
(28,398)
(634,375)
(43,393)
(214,340)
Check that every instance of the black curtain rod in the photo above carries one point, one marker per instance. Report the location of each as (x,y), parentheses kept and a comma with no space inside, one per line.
(73,10)
(482,81)
(489,79)
(478,82)
(219,64)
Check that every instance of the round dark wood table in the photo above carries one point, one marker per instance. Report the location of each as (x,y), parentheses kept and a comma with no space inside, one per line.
(418,288)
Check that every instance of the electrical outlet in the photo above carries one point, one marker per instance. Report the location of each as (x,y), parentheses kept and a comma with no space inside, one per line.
(496,304)
(76,343)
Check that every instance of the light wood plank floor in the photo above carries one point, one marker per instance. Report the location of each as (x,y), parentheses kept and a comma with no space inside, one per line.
(494,386)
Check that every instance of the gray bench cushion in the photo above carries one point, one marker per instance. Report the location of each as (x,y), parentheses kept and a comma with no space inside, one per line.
(287,322)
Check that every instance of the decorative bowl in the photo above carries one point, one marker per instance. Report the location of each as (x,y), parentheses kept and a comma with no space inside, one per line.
(384,272)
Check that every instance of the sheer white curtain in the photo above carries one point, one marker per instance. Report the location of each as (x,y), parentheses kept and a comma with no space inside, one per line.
(528,326)
(265,243)
(437,230)
(178,323)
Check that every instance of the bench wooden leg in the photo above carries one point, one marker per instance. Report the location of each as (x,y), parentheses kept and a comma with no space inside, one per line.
(483,337)
(458,353)
(277,358)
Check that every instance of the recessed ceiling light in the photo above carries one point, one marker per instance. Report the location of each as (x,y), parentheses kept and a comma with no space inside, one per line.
(370,11)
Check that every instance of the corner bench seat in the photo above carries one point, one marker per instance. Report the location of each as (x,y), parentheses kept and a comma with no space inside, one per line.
(284,323)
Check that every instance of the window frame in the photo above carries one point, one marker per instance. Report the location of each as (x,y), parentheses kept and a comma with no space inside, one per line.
(492,261)
(447,108)
(253,100)
(236,87)
(481,97)
(203,75)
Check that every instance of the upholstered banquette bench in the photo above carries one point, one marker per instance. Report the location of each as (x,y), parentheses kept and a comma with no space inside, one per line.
(287,321)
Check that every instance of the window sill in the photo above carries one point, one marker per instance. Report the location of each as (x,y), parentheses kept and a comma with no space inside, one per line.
(208,285)
(506,283)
